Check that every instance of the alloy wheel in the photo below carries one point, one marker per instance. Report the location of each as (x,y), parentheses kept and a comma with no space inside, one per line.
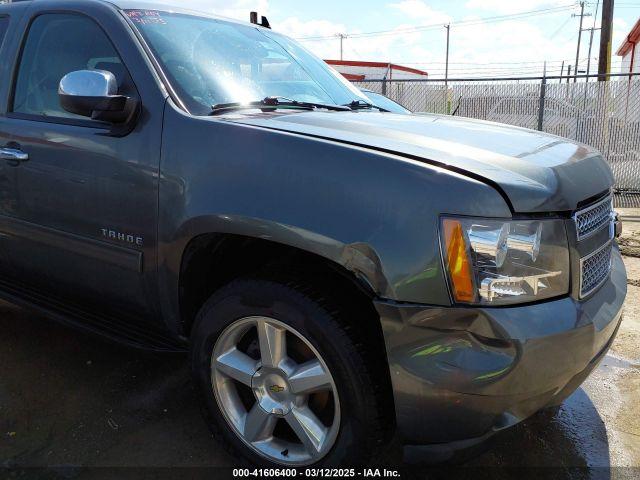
(275,391)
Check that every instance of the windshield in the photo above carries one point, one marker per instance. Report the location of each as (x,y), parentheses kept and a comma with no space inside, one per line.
(381,101)
(210,62)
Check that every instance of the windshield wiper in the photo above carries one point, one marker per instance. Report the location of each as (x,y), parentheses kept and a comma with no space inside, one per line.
(273,103)
(363,105)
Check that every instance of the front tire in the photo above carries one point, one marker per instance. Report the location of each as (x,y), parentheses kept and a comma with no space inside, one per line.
(283,379)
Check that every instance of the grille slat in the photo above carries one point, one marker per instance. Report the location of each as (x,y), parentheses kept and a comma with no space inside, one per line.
(594,269)
(593,218)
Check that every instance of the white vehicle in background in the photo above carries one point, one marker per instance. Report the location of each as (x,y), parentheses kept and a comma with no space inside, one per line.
(380,100)
(560,117)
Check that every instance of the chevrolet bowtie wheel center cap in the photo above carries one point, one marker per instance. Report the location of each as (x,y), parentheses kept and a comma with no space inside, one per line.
(272,391)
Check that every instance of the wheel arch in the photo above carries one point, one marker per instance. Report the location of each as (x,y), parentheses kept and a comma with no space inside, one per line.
(213,251)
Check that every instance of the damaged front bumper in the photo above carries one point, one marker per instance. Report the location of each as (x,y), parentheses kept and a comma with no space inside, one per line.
(461,374)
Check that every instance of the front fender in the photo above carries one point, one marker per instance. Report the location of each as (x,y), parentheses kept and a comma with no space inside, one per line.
(374,213)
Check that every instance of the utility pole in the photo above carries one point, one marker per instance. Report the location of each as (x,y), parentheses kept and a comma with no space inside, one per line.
(568,73)
(593,28)
(446,72)
(543,92)
(590,45)
(446,68)
(604,60)
(561,72)
(341,36)
(582,15)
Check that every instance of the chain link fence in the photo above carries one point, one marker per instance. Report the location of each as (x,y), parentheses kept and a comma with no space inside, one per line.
(604,115)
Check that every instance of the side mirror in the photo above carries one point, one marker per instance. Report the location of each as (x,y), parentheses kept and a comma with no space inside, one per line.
(94,94)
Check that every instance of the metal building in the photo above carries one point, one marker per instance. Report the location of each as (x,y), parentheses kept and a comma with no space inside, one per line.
(360,71)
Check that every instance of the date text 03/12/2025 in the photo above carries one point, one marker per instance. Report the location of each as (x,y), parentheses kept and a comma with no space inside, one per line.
(315,473)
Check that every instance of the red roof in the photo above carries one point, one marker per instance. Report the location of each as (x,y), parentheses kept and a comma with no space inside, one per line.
(393,66)
(352,77)
(631,39)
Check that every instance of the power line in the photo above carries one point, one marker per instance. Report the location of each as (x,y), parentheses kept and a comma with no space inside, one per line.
(485,63)
(494,19)
(462,23)
(487,66)
(493,71)
(564,24)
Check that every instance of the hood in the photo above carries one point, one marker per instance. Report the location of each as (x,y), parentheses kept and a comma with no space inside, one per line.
(537,172)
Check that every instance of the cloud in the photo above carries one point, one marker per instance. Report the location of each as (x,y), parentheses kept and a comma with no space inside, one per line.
(371,48)
(375,48)
(502,7)
(620,31)
(325,48)
(512,42)
(419,10)
(481,50)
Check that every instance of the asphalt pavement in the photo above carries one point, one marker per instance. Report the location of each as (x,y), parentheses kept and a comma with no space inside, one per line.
(68,399)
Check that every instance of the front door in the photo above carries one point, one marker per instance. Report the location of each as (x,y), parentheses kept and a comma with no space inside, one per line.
(87,201)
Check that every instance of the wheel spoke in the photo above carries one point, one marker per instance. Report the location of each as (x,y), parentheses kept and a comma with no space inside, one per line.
(308,378)
(272,339)
(258,424)
(308,428)
(237,365)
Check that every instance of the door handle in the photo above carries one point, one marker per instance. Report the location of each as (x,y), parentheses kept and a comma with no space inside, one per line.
(13,156)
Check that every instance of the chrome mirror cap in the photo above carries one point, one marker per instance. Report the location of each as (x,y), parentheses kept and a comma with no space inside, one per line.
(94,94)
(89,83)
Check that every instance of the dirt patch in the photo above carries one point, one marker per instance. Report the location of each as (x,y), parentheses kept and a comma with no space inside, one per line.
(628,416)
(630,246)
(628,339)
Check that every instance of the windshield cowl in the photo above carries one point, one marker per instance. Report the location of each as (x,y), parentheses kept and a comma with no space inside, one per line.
(274,103)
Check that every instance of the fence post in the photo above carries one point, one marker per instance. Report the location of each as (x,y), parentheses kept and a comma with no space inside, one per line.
(387,75)
(543,91)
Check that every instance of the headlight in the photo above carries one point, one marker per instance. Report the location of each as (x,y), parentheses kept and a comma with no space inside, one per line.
(496,262)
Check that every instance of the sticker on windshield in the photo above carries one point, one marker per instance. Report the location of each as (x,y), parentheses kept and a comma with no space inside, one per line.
(146,17)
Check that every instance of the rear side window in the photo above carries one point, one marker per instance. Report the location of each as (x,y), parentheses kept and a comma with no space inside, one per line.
(58,44)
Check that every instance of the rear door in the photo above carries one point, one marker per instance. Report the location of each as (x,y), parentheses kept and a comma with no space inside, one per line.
(87,199)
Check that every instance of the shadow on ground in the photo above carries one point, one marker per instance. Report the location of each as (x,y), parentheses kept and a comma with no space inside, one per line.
(69,399)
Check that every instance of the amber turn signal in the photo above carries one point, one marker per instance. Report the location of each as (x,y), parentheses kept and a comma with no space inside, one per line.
(458,261)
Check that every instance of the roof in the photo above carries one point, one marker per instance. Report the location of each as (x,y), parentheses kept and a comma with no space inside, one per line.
(393,66)
(630,40)
(174,6)
(353,77)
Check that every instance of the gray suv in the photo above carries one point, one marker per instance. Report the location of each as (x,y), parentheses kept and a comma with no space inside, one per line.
(340,274)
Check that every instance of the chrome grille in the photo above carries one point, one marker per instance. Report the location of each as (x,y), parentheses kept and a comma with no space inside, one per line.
(594,269)
(593,218)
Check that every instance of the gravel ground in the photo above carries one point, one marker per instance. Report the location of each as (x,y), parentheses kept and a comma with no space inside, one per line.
(68,399)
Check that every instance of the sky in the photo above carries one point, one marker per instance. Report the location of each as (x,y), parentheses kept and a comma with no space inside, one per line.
(483,43)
